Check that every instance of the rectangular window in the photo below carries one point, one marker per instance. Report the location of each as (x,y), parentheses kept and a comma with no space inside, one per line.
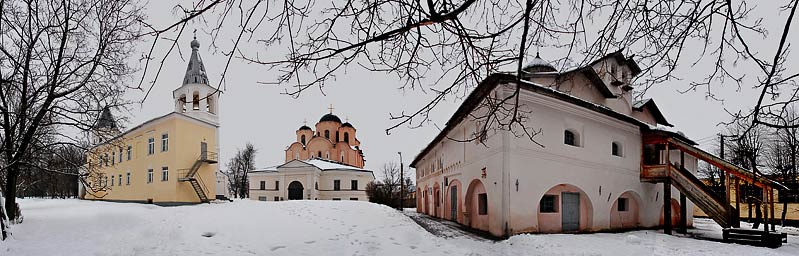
(277,198)
(336,185)
(277,185)
(164,173)
(105,159)
(354,184)
(353,199)
(263,186)
(112,180)
(150,146)
(548,204)
(113,157)
(164,142)
(336,199)
(128,179)
(261,198)
(622,205)
(149,175)
(119,182)
(130,152)
(120,155)
(482,203)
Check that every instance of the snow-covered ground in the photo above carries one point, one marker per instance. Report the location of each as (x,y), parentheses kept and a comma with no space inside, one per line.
(73,227)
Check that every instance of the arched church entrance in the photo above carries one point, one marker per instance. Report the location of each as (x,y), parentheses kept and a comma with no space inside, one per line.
(295,190)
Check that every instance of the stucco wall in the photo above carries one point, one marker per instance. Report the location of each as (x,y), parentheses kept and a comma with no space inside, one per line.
(509,160)
(185,135)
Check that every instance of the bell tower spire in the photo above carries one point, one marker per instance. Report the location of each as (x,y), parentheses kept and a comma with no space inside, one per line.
(196,97)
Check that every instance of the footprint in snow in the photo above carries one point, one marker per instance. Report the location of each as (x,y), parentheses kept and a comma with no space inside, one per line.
(277,247)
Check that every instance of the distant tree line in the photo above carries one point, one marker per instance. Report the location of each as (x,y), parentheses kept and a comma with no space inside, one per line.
(387,191)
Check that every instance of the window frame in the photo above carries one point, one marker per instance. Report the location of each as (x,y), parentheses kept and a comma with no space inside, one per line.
(623,204)
(128,178)
(164,173)
(130,152)
(353,184)
(544,205)
(150,146)
(575,138)
(150,176)
(164,142)
(262,185)
(336,185)
(616,149)
(482,204)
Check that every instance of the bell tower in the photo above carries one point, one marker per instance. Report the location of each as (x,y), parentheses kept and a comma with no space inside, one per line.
(196,98)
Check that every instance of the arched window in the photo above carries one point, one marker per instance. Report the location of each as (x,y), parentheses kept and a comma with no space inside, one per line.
(182,102)
(342,156)
(346,137)
(337,140)
(327,134)
(615,149)
(210,106)
(319,154)
(302,139)
(195,101)
(327,154)
(570,138)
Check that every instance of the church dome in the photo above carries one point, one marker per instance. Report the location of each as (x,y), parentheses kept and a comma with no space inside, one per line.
(347,124)
(305,127)
(539,65)
(330,117)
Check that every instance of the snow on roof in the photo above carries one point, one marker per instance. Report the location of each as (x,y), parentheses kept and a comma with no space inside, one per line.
(267,169)
(326,165)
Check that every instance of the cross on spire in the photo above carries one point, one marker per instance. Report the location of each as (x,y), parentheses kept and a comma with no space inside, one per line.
(330,108)
(305,121)
(195,34)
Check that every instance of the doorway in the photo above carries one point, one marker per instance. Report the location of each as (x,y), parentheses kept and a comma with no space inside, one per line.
(453,203)
(295,190)
(570,205)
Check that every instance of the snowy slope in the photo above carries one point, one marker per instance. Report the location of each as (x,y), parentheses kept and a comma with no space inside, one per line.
(73,227)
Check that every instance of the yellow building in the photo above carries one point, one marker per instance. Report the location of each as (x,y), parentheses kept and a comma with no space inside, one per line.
(169,159)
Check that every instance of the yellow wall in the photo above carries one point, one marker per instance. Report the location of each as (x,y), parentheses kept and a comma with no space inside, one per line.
(185,135)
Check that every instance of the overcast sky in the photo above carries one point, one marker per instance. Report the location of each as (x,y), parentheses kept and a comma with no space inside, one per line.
(260,114)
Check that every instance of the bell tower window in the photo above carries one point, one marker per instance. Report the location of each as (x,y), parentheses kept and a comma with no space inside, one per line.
(195,101)
(302,139)
(346,137)
(327,134)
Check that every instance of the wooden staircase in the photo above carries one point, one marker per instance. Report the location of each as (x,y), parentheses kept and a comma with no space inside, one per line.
(701,195)
(190,175)
(656,167)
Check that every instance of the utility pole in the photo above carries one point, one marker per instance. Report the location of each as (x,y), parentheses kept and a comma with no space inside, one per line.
(402,184)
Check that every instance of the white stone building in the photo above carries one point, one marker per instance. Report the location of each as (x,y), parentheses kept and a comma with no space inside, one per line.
(584,172)
(314,179)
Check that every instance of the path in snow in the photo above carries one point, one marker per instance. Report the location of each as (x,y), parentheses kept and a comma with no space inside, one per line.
(445,228)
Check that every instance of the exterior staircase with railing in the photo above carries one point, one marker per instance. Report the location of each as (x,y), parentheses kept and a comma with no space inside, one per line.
(656,168)
(196,181)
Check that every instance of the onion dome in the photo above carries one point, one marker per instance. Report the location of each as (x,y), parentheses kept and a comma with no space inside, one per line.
(539,65)
(347,124)
(305,127)
(330,117)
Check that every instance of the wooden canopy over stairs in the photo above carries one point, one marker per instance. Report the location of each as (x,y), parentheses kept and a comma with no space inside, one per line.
(657,167)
